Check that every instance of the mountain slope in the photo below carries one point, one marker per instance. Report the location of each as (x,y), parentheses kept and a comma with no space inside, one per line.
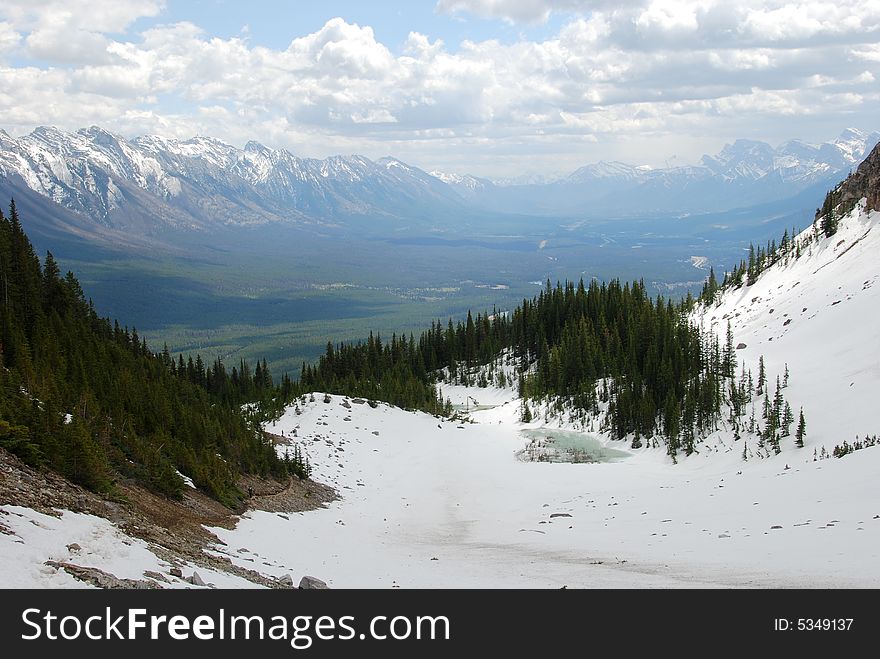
(819,314)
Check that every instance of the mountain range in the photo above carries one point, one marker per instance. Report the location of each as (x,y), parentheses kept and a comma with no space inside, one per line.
(95,182)
(744,173)
(150,185)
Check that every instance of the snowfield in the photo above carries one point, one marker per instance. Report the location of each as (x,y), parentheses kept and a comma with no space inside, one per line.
(429,503)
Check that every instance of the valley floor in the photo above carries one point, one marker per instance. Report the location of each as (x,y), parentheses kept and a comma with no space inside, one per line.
(438,504)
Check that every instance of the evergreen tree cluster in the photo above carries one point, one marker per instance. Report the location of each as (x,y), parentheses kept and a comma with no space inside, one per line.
(604,351)
(87,398)
(760,258)
(790,247)
(652,365)
(846,448)
(394,372)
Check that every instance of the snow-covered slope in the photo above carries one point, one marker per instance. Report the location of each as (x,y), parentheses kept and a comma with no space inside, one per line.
(429,503)
(820,314)
(35,546)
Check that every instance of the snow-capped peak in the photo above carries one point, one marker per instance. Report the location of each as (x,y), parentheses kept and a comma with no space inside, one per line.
(89,170)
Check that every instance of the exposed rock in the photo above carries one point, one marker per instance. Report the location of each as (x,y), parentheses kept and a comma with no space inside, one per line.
(286,581)
(358,401)
(74,547)
(156,575)
(176,572)
(559,515)
(196,580)
(101,579)
(312,583)
(864,182)
(741,346)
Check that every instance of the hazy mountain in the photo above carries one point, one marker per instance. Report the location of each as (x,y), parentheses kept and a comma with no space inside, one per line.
(744,173)
(143,189)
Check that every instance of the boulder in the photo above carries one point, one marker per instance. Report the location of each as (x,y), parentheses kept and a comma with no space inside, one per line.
(176,572)
(196,580)
(312,583)
(286,581)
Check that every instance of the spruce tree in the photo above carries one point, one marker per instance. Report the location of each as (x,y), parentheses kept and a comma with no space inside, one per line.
(829,223)
(787,420)
(801,432)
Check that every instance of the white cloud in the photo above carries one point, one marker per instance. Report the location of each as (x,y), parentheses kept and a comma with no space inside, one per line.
(74,31)
(617,73)
(9,38)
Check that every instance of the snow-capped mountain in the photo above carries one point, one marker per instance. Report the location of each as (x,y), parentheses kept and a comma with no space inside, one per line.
(467,186)
(152,183)
(148,185)
(744,173)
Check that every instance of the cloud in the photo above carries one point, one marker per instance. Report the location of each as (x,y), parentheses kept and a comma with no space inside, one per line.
(614,74)
(9,38)
(74,31)
(528,11)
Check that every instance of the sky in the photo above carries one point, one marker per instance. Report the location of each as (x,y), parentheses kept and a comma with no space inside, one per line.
(498,88)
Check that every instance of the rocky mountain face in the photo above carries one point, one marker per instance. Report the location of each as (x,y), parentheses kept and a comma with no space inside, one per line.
(863,183)
(150,184)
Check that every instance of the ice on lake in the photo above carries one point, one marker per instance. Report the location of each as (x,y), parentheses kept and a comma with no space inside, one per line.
(550,445)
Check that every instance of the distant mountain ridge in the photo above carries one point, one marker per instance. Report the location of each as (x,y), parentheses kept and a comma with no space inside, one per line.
(93,181)
(744,173)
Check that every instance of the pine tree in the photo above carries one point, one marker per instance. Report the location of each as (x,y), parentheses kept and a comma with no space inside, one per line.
(801,432)
(778,402)
(787,420)
(829,223)
(729,354)
(526,414)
